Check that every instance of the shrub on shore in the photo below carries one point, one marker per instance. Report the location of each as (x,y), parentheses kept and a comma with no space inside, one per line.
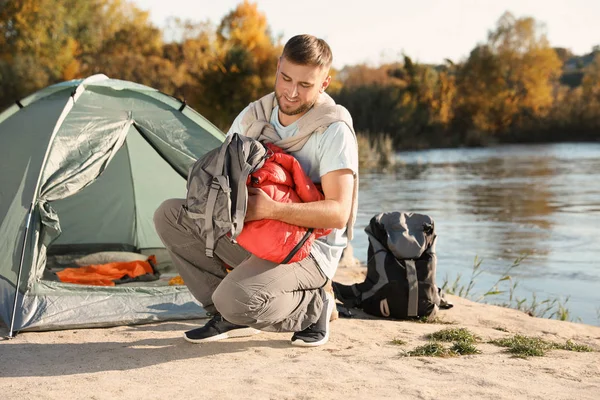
(375,152)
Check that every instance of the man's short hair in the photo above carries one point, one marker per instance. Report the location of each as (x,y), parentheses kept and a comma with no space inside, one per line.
(308,50)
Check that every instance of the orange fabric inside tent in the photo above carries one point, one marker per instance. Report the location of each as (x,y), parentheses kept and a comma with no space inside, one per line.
(107,274)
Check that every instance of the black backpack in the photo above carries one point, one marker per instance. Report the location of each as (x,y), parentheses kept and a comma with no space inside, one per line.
(401,268)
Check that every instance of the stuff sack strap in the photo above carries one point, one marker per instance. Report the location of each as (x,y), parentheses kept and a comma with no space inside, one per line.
(298,246)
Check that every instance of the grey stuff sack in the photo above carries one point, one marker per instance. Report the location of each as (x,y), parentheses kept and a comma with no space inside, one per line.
(217,195)
(401,269)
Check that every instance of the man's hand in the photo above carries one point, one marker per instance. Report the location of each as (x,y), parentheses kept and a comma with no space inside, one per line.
(260,205)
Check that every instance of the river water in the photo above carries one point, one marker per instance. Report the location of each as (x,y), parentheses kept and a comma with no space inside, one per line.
(499,203)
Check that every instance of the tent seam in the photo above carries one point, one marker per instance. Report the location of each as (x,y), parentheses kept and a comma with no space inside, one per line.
(135,219)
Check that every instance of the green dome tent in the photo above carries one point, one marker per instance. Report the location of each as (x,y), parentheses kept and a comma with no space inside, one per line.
(83,166)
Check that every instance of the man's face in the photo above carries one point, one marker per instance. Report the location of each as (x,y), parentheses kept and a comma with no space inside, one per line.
(297,87)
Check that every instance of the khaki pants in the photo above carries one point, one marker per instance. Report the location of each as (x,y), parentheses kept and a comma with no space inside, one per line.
(258,293)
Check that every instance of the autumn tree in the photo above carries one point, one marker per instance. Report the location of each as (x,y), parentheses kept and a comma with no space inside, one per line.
(480,105)
(36,44)
(191,53)
(47,41)
(243,67)
(372,95)
(509,81)
(590,88)
(408,101)
(135,52)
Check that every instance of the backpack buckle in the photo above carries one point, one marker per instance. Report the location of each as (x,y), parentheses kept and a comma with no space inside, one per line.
(215,184)
(220,182)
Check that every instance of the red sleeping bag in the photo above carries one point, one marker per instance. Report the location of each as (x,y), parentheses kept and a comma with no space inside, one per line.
(282,179)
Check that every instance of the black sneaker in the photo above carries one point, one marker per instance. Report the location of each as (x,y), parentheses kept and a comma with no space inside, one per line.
(218,328)
(317,334)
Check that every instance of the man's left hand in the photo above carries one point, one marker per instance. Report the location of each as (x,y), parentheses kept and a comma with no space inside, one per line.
(260,205)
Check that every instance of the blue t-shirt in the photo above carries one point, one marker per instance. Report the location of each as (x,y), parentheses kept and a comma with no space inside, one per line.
(332,150)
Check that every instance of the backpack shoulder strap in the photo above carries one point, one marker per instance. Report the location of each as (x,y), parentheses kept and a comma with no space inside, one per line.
(413,288)
(219,181)
(255,154)
(241,202)
(379,255)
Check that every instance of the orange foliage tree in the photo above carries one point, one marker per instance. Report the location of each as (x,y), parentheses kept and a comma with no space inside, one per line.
(242,68)
(508,82)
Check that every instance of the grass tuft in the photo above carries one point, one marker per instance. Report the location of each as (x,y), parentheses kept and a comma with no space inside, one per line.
(398,342)
(454,335)
(524,346)
(431,349)
(464,343)
(464,348)
(571,346)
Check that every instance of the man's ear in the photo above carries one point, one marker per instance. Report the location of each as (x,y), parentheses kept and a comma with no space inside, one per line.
(325,84)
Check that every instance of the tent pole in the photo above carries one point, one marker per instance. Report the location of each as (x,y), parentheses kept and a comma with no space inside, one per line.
(14,312)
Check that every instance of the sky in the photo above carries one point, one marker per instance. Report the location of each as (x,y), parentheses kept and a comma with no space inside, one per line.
(380,31)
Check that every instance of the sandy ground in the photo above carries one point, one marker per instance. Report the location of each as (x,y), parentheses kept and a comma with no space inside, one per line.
(359,362)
